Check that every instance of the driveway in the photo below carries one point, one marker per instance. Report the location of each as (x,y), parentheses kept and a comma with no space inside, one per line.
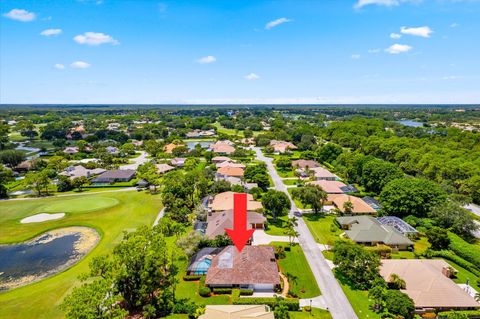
(260,237)
(332,297)
(137,161)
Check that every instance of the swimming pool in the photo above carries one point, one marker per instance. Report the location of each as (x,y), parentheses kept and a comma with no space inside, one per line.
(201,267)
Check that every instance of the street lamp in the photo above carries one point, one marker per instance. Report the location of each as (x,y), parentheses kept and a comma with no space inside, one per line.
(310,307)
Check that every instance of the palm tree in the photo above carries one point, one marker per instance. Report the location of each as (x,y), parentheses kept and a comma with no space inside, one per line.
(292,279)
(397,282)
(348,207)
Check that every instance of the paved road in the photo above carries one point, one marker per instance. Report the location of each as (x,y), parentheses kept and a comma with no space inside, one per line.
(476,210)
(137,161)
(332,294)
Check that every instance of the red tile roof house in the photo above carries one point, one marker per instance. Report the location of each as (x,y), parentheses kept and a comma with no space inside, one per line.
(254,268)
(228,171)
(303,164)
(221,147)
(282,146)
(330,187)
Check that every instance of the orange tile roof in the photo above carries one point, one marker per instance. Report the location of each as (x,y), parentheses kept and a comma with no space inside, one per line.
(224,201)
(330,187)
(231,171)
(359,206)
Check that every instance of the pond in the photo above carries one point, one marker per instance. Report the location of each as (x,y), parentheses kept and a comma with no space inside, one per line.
(411,123)
(203,144)
(45,255)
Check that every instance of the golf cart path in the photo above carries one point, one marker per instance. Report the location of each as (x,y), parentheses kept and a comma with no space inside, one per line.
(333,298)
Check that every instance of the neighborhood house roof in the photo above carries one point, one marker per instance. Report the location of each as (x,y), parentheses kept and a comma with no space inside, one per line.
(224,201)
(254,265)
(220,159)
(163,168)
(169,147)
(178,161)
(217,222)
(115,175)
(366,229)
(398,224)
(426,283)
(372,202)
(301,163)
(230,164)
(359,206)
(230,171)
(330,187)
(222,147)
(237,312)
(282,146)
(79,171)
(321,172)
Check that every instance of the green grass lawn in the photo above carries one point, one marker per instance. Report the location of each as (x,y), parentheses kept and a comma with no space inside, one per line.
(358,299)
(419,245)
(284,174)
(297,202)
(463,275)
(295,263)
(277,228)
(42,299)
(290,181)
(320,227)
(316,314)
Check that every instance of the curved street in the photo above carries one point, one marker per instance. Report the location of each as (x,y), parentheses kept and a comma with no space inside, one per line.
(333,297)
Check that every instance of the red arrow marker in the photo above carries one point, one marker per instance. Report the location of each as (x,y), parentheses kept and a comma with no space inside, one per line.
(239,234)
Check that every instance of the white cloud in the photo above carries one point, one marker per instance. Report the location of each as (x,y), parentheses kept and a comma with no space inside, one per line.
(80,65)
(374,51)
(207,59)
(386,3)
(418,31)
(51,32)
(398,48)
(355,56)
(20,15)
(252,76)
(95,38)
(59,66)
(274,23)
(454,25)
(395,35)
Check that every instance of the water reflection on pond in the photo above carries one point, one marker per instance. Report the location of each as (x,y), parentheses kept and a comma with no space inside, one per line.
(45,255)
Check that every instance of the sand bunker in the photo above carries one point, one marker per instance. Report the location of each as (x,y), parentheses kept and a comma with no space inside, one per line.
(43,217)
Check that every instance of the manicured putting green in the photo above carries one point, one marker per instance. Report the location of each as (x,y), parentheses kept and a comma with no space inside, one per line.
(84,204)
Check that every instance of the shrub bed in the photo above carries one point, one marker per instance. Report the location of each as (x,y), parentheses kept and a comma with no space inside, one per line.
(191,277)
(222,291)
(465,250)
(292,304)
(203,290)
(472,314)
(246,292)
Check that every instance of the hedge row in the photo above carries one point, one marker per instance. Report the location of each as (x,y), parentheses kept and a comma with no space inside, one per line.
(472,314)
(246,292)
(191,277)
(465,250)
(292,304)
(446,254)
(222,291)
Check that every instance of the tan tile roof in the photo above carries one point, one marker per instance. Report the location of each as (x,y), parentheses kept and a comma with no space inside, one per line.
(282,146)
(359,206)
(321,172)
(426,284)
(254,265)
(237,312)
(230,164)
(163,168)
(217,222)
(231,171)
(221,147)
(220,159)
(224,201)
(330,187)
(301,163)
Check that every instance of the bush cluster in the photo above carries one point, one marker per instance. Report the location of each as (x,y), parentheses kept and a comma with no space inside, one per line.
(191,277)
(292,304)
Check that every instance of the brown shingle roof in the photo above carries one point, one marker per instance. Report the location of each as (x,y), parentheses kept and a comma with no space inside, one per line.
(254,265)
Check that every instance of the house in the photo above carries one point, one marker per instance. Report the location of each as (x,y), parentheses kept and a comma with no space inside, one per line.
(230,164)
(113,176)
(330,187)
(25,165)
(111,149)
(247,141)
(113,126)
(80,171)
(229,171)
(169,147)
(253,268)
(200,133)
(282,146)
(224,201)
(428,284)
(400,225)
(305,164)
(202,260)
(178,161)
(221,159)
(217,222)
(163,168)
(366,230)
(71,150)
(222,147)
(237,312)
(323,174)
(359,207)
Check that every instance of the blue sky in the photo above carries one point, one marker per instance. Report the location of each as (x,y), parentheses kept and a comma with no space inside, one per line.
(324,51)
